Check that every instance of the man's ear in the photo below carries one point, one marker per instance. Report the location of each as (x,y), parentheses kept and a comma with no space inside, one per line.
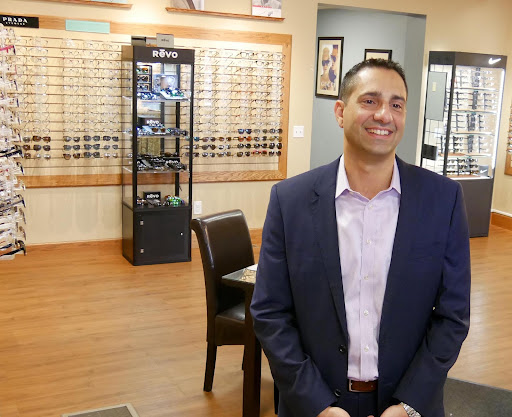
(339,108)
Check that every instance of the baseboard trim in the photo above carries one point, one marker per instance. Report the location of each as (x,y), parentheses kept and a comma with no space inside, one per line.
(100,244)
(501,220)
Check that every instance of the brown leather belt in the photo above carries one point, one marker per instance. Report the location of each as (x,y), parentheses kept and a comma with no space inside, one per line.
(362,386)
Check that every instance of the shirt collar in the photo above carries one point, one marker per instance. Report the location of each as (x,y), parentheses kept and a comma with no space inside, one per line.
(342,180)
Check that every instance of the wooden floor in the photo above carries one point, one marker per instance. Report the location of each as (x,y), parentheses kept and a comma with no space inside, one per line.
(81,328)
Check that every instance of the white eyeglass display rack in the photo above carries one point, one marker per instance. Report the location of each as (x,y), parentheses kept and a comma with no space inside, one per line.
(12,202)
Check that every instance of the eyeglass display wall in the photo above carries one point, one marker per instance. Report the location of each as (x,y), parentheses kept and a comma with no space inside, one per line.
(461,127)
(508,156)
(70,90)
(157,176)
(239,107)
(73,107)
(12,217)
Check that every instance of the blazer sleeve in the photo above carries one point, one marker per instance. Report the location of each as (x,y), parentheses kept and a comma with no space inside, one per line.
(423,382)
(301,386)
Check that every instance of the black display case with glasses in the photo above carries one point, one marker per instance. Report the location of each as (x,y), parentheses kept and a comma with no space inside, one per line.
(461,126)
(157,124)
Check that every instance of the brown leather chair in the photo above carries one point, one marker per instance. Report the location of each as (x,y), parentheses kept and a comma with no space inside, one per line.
(225,246)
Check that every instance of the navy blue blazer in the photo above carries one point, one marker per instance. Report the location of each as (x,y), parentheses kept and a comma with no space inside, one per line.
(298,304)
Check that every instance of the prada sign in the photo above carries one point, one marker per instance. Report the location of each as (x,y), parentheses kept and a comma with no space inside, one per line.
(19,21)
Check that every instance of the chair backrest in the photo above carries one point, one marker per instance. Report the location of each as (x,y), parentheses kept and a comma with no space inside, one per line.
(225,246)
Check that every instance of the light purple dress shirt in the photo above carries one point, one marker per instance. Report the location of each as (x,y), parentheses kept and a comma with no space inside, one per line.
(366,232)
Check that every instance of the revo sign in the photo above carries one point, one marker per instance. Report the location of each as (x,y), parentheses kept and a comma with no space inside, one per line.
(163,53)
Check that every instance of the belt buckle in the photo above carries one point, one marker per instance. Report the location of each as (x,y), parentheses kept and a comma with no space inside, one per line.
(350,387)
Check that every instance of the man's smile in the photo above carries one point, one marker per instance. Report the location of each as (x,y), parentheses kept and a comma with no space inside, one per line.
(380,132)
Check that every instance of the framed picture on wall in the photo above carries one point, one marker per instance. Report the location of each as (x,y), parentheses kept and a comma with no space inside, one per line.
(378,54)
(328,68)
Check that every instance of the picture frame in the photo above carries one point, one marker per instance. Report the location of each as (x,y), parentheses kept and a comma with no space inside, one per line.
(328,67)
(378,54)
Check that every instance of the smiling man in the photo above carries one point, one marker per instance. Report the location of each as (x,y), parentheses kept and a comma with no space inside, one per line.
(361,301)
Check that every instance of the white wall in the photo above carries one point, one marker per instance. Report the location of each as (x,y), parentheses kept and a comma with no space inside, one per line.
(362,29)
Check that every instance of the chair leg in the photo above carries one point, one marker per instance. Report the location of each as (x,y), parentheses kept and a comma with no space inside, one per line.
(211,356)
(276,398)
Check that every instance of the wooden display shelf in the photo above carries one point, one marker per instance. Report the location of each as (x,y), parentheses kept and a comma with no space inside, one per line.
(222,14)
(508,164)
(94,3)
(91,180)
(238,176)
(150,178)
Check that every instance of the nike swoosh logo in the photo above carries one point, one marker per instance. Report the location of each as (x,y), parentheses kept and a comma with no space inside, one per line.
(493,61)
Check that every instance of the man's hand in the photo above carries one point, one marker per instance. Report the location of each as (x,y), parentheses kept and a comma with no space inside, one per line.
(334,412)
(394,411)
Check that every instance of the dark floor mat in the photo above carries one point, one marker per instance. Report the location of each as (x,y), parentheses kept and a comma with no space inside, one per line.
(467,399)
(123,410)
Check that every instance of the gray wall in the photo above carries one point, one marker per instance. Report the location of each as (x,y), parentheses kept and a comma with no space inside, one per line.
(405,36)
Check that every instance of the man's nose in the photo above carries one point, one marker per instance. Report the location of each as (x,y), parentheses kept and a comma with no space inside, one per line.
(383,114)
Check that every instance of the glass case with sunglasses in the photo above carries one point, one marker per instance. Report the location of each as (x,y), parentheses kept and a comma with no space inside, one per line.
(461,126)
(156,176)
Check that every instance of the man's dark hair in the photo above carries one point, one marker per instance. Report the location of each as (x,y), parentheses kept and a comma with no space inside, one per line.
(349,82)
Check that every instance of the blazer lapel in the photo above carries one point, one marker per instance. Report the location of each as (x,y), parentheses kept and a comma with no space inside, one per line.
(326,234)
(404,235)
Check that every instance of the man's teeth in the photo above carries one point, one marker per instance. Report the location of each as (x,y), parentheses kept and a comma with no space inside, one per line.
(379,132)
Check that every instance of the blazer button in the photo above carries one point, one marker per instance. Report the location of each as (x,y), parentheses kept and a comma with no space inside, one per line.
(337,393)
(343,349)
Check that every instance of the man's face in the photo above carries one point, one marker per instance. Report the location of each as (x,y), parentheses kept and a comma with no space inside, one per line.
(373,117)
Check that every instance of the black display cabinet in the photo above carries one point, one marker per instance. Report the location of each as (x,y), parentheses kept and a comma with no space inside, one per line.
(157,98)
(461,126)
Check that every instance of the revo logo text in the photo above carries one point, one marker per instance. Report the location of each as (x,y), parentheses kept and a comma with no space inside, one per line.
(162,53)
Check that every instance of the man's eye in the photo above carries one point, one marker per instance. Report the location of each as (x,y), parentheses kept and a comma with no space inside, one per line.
(369,101)
(397,106)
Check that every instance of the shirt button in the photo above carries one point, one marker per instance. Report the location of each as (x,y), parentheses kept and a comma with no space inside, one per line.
(370,206)
(368,241)
(367,348)
(366,312)
(366,277)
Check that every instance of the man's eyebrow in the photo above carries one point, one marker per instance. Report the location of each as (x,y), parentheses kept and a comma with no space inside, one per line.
(377,94)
